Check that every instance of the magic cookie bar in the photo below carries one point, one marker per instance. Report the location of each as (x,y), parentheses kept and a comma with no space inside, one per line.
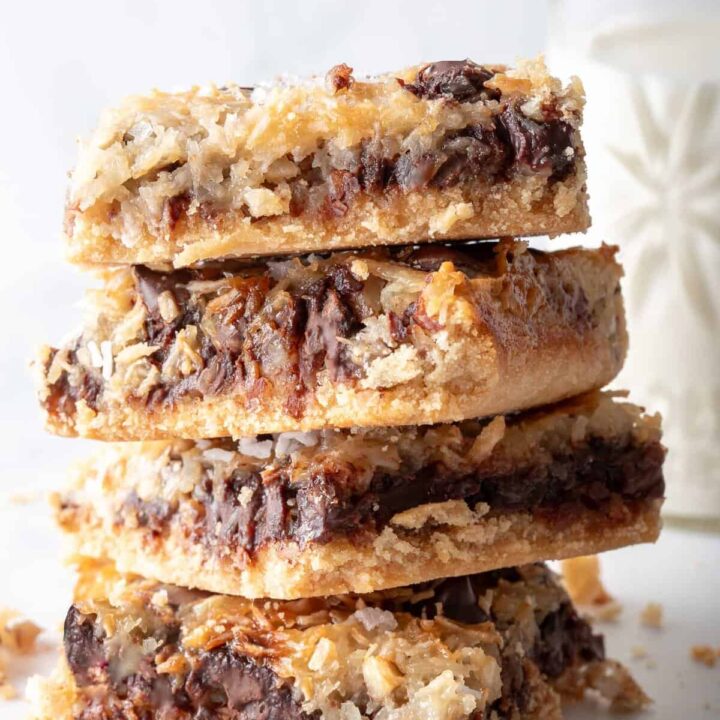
(374,338)
(504,645)
(441,151)
(306,514)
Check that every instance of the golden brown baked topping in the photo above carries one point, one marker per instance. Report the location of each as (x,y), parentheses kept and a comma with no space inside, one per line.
(479,645)
(216,157)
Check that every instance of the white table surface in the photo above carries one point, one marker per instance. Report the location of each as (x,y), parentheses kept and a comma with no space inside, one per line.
(682,572)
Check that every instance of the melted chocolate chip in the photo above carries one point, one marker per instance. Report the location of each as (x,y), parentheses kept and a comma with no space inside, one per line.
(475,153)
(152,284)
(414,172)
(175,209)
(331,315)
(342,187)
(376,171)
(429,258)
(538,146)
(564,639)
(83,643)
(237,687)
(153,515)
(461,80)
(62,397)
(459,598)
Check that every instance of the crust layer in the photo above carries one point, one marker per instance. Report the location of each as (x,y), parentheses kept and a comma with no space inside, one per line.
(520,207)
(449,540)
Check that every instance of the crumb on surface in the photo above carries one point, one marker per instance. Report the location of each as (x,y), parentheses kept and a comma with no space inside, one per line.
(638,652)
(20,498)
(581,576)
(617,686)
(704,654)
(17,637)
(652,615)
(607,612)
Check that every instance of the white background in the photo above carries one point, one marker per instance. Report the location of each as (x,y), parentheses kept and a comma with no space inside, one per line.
(60,63)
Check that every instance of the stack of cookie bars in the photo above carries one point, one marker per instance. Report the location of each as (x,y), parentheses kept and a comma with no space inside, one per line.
(347,443)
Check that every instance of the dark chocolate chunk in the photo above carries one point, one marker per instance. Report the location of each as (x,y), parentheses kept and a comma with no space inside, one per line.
(63,397)
(83,642)
(414,172)
(546,146)
(376,171)
(153,515)
(459,600)
(152,284)
(237,687)
(222,681)
(343,186)
(461,80)
(565,638)
(475,153)
(175,210)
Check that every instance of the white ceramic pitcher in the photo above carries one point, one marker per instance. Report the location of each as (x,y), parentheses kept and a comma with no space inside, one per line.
(652,132)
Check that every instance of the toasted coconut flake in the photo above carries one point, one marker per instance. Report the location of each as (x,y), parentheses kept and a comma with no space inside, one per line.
(373,618)
(96,358)
(107,357)
(286,443)
(167,306)
(381,677)
(489,437)
(131,353)
(261,449)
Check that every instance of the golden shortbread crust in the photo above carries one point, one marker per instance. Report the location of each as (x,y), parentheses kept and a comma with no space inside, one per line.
(432,541)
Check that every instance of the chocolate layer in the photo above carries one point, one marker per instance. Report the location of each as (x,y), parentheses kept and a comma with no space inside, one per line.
(510,144)
(252,508)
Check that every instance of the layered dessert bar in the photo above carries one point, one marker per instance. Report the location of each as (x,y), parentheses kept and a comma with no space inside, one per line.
(496,646)
(304,514)
(399,336)
(447,150)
